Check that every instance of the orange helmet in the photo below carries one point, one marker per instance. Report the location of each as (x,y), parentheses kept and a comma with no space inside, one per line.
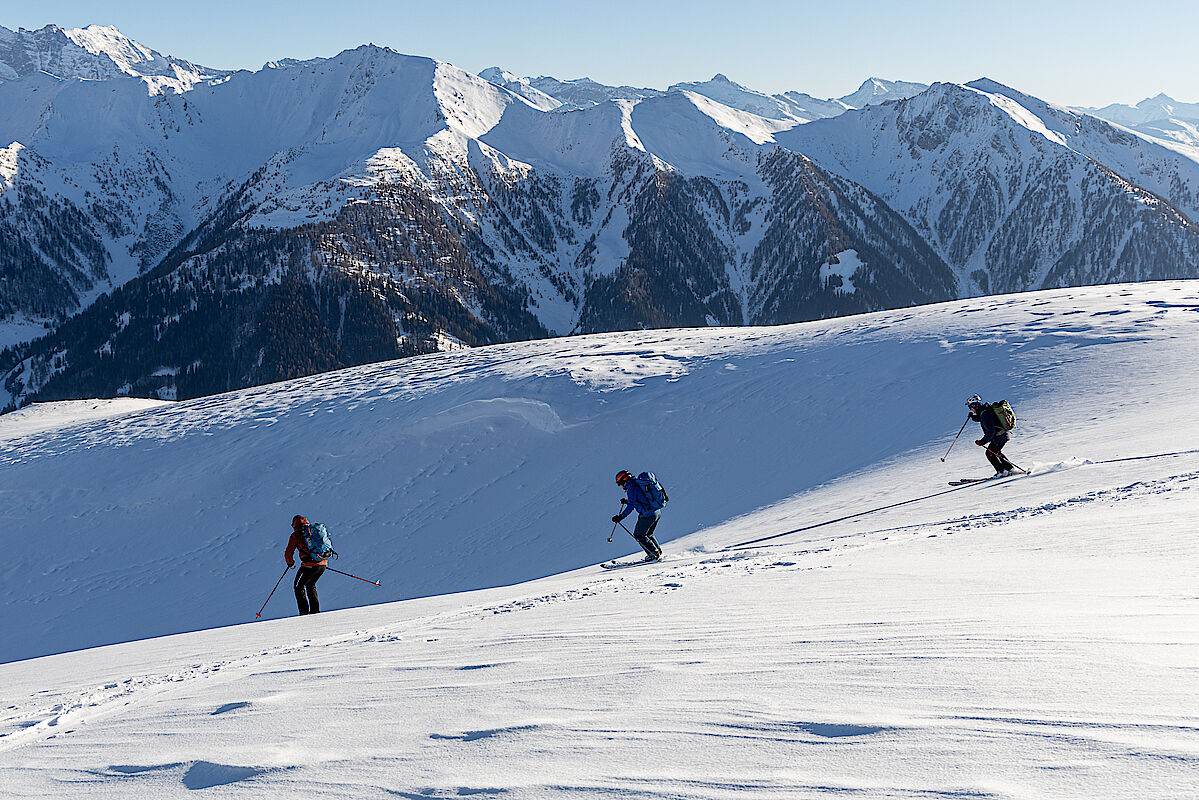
(623,477)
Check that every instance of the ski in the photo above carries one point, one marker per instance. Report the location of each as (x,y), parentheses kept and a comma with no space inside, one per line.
(967,481)
(623,564)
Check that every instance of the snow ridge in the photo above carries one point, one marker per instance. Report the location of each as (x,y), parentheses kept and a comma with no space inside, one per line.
(96,52)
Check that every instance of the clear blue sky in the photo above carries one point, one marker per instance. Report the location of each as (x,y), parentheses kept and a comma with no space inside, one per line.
(1065,51)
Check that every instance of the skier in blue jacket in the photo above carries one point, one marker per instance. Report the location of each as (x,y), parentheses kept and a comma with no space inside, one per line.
(648,513)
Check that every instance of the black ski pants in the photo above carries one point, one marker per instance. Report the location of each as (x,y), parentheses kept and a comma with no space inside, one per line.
(644,534)
(995,455)
(306,579)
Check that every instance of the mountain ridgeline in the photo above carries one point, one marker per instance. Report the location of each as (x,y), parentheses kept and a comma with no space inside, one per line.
(213,231)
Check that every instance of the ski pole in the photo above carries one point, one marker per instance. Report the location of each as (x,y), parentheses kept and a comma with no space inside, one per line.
(272,594)
(955,439)
(618,522)
(626,530)
(348,575)
(998,455)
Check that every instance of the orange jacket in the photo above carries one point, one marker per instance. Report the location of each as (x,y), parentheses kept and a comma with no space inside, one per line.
(296,542)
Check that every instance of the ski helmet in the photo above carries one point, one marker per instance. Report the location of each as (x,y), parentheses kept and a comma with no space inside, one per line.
(623,477)
(974,400)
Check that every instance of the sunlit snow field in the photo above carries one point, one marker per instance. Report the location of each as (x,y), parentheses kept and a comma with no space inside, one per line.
(1028,638)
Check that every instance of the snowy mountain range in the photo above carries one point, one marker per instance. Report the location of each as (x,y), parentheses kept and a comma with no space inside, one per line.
(551,94)
(249,227)
(831,619)
(1161,117)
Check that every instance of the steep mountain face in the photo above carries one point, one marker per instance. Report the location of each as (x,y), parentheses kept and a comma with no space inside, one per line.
(97,52)
(50,249)
(832,244)
(92,190)
(1015,194)
(718,226)
(1163,168)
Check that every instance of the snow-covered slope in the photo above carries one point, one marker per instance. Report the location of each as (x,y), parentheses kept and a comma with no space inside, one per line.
(485,467)
(1024,638)
(43,417)
(96,52)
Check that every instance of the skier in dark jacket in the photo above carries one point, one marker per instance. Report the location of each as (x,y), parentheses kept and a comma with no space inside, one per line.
(647,514)
(994,435)
(310,570)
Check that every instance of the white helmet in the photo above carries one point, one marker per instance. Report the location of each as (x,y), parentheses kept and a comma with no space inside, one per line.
(974,400)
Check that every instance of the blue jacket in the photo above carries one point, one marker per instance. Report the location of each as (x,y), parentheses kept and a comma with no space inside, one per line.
(992,432)
(637,500)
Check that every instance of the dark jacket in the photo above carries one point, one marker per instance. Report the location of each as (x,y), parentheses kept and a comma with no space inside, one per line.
(992,430)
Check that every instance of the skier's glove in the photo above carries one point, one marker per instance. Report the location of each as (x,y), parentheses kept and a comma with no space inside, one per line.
(979,442)
(624,500)
(616,518)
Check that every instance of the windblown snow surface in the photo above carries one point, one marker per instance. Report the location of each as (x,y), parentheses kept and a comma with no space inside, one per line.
(1035,637)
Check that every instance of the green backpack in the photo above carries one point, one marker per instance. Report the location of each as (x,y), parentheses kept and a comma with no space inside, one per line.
(1005,415)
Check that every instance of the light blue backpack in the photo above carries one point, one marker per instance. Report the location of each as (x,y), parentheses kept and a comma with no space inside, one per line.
(317,540)
(653,490)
